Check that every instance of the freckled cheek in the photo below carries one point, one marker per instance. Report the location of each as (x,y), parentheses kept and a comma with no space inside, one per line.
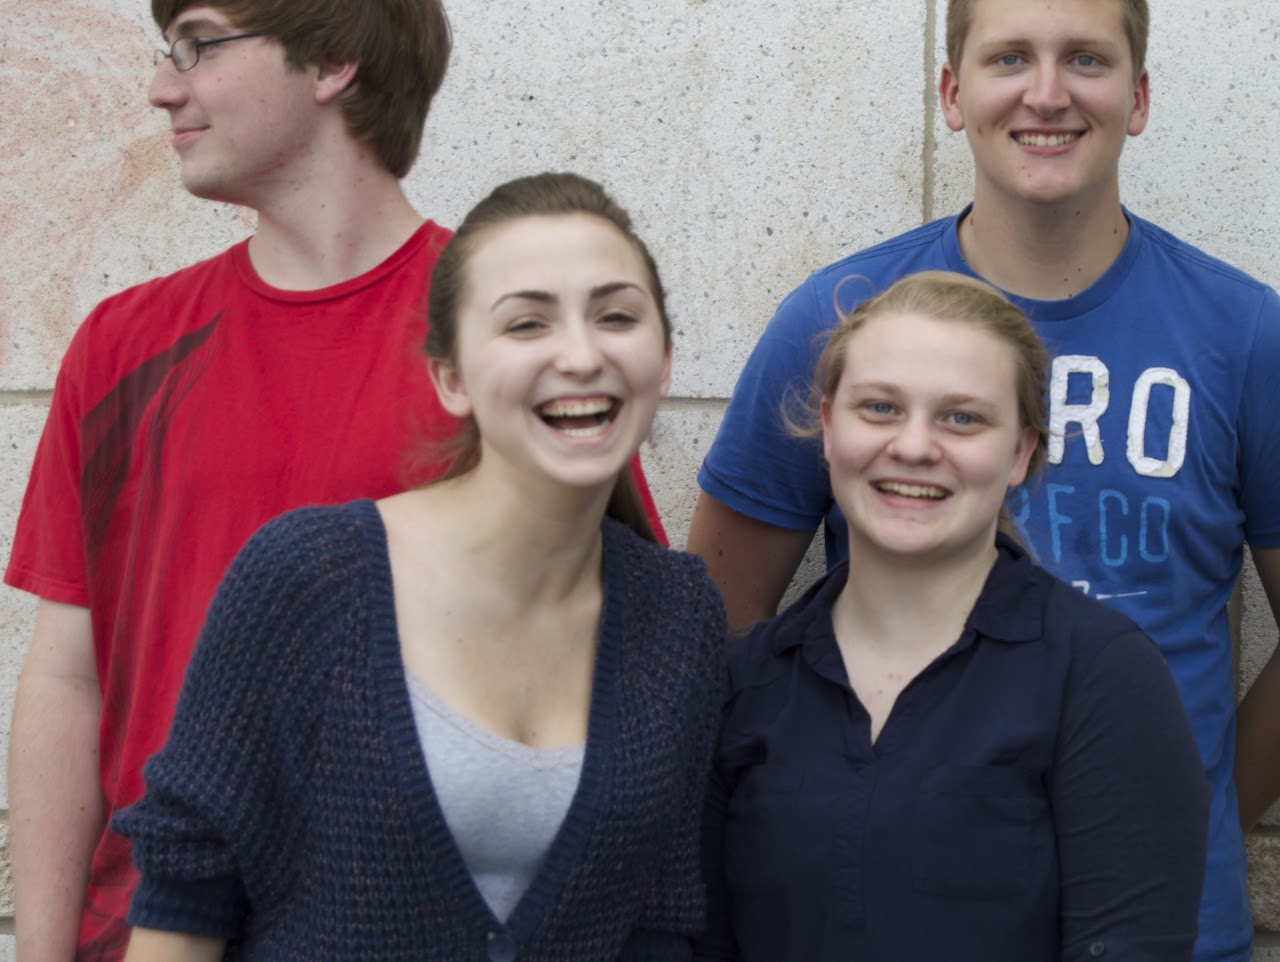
(513,386)
(848,455)
(990,471)
(644,366)
(651,377)
(491,380)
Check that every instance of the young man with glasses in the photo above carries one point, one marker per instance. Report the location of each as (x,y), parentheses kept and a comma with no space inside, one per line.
(1164,454)
(189,410)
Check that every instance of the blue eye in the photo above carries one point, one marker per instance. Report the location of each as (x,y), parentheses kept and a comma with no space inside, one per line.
(962,418)
(1087,60)
(1009,60)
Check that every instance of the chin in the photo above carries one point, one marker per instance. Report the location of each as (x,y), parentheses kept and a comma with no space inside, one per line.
(208,188)
(585,477)
(924,546)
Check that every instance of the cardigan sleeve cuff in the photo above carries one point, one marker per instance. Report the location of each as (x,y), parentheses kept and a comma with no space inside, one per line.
(211,907)
(649,945)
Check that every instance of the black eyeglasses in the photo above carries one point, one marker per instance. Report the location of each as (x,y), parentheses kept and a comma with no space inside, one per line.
(185,51)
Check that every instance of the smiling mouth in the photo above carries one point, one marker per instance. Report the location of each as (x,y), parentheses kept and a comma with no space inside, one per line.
(1047,140)
(926,492)
(580,417)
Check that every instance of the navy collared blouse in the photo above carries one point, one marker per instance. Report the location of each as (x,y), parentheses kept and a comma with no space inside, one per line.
(1034,794)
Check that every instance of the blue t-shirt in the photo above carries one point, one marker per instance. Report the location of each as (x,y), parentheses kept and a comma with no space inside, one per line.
(1162,464)
(1033,796)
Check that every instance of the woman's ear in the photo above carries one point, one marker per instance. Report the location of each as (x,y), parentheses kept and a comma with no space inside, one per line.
(824,411)
(666,370)
(1022,456)
(449,387)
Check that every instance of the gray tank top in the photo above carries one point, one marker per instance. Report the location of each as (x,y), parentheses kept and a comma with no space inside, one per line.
(502,800)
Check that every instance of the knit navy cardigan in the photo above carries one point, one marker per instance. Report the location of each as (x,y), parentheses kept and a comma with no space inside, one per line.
(291,811)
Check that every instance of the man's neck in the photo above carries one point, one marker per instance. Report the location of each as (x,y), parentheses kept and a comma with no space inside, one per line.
(335,222)
(1045,252)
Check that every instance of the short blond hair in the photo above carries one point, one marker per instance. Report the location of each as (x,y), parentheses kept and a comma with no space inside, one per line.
(1137,26)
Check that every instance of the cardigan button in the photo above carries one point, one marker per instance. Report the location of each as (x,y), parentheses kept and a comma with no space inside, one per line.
(502,947)
(1098,949)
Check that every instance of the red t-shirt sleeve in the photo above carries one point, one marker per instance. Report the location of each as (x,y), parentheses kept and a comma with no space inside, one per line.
(48,557)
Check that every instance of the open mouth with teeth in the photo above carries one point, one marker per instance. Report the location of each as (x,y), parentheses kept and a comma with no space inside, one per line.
(925,492)
(1046,140)
(580,417)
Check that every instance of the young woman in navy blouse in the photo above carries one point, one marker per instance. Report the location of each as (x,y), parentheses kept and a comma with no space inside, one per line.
(941,751)
(475,720)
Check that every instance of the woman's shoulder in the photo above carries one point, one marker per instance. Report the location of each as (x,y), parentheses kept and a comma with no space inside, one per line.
(306,533)
(650,567)
(308,552)
(665,597)
(298,595)
(760,654)
(1069,612)
(1087,632)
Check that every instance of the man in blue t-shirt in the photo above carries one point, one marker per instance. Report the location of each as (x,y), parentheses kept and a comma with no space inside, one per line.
(1163,458)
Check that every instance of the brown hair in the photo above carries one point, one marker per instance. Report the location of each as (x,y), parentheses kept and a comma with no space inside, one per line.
(1137,26)
(943,296)
(402,48)
(542,195)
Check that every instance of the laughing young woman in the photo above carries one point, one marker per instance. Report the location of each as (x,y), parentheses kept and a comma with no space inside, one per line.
(941,751)
(474,720)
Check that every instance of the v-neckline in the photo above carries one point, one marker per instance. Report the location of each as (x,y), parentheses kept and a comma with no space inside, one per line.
(421,804)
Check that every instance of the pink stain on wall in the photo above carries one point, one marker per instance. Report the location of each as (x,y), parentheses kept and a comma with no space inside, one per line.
(78,143)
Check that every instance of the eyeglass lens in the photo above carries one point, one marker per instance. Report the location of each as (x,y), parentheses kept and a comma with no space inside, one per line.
(185,51)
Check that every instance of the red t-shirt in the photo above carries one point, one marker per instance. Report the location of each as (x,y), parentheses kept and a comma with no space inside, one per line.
(188,411)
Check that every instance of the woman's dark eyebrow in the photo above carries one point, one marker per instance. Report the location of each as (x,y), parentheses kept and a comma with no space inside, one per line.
(546,297)
(542,297)
(604,290)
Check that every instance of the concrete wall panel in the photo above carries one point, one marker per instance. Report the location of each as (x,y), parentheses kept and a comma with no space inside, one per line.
(89,202)
(1258,636)
(1264,881)
(752,142)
